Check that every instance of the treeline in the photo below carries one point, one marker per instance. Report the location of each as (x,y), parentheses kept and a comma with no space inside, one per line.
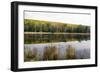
(46,26)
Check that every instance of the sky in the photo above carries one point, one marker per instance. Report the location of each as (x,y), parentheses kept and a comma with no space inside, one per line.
(66,17)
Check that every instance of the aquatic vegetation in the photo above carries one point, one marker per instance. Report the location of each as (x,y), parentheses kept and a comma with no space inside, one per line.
(70,53)
(50,53)
(30,55)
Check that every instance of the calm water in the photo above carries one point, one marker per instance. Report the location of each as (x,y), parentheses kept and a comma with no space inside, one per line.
(48,38)
(74,46)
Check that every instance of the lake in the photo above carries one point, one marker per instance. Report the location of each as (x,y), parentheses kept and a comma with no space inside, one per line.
(42,47)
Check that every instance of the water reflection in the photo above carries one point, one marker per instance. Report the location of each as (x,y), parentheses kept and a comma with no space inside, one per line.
(47,38)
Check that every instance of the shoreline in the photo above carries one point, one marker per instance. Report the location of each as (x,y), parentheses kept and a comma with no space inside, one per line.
(56,33)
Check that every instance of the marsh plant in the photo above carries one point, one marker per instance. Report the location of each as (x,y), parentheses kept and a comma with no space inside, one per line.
(50,53)
(70,53)
(30,54)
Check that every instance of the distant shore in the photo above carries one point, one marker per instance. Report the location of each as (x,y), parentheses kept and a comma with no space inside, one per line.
(56,33)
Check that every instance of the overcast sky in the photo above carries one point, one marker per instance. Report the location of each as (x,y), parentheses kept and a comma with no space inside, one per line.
(73,18)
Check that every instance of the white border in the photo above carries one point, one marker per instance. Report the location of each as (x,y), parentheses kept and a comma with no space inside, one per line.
(22,64)
(65,17)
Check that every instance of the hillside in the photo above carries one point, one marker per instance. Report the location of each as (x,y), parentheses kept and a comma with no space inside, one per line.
(48,26)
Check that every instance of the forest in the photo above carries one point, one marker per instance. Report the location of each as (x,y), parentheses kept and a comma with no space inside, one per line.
(31,25)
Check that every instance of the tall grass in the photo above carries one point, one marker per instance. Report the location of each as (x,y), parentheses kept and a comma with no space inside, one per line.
(53,53)
(70,53)
(31,55)
(50,53)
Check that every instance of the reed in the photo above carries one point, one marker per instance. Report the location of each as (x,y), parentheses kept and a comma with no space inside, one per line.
(50,53)
(30,55)
(70,53)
